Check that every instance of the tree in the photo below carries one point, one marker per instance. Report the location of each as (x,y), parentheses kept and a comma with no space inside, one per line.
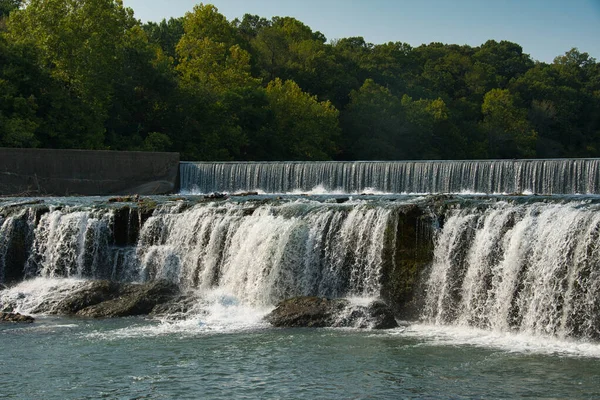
(143,97)
(374,125)
(563,105)
(18,106)
(209,59)
(445,69)
(506,59)
(286,48)
(166,34)
(80,42)
(8,6)
(428,131)
(509,133)
(303,127)
(214,73)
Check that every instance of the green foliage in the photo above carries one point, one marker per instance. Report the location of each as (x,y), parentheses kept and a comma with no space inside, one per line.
(156,141)
(8,6)
(165,34)
(87,74)
(506,125)
(373,125)
(305,129)
(79,43)
(143,89)
(18,106)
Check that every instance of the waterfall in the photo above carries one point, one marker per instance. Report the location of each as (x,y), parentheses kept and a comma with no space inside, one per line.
(520,264)
(271,252)
(532,268)
(5,234)
(14,241)
(259,253)
(71,243)
(561,176)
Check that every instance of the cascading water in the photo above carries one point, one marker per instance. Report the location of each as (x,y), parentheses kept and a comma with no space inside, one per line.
(14,239)
(71,243)
(506,264)
(258,254)
(4,237)
(563,176)
(532,268)
(265,254)
(501,291)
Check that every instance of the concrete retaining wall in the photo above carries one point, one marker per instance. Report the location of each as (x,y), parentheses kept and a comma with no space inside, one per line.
(45,172)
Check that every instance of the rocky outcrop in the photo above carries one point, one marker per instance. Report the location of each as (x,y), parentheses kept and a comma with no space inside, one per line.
(15,318)
(406,257)
(105,299)
(177,308)
(379,316)
(133,300)
(94,293)
(319,312)
(312,312)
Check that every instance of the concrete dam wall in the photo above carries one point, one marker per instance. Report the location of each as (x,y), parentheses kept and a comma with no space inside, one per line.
(49,172)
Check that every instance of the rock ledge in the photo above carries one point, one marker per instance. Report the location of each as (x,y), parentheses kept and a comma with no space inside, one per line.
(320,312)
(15,318)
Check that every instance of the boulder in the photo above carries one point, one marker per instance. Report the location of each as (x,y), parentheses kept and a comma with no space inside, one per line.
(319,312)
(94,293)
(380,316)
(15,318)
(134,299)
(175,309)
(312,312)
(216,196)
(124,199)
(244,194)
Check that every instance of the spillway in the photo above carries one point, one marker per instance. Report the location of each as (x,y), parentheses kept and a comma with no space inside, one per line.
(558,176)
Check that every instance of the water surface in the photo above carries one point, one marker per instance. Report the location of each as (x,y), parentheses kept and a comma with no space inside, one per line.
(58,358)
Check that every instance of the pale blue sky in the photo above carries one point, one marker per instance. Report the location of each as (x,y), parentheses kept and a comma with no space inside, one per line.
(545,29)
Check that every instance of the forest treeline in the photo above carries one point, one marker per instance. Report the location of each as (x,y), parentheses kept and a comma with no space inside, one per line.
(86,74)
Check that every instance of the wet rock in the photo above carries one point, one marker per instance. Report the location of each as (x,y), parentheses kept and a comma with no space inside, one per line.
(380,316)
(124,199)
(244,194)
(125,226)
(319,312)
(94,293)
(216,196)
(133,299)
(7,209)
(15,318)
(408,253)
(312,312)
(177,308)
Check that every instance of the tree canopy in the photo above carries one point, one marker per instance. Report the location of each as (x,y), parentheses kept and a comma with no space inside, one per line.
(87,74)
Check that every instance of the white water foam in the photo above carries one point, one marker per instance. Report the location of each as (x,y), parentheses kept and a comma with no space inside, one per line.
(216,312)
(505,341)
(315,191)
(30,294)
(531,268)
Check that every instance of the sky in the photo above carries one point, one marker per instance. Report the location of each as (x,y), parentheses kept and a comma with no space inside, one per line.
(545,29)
